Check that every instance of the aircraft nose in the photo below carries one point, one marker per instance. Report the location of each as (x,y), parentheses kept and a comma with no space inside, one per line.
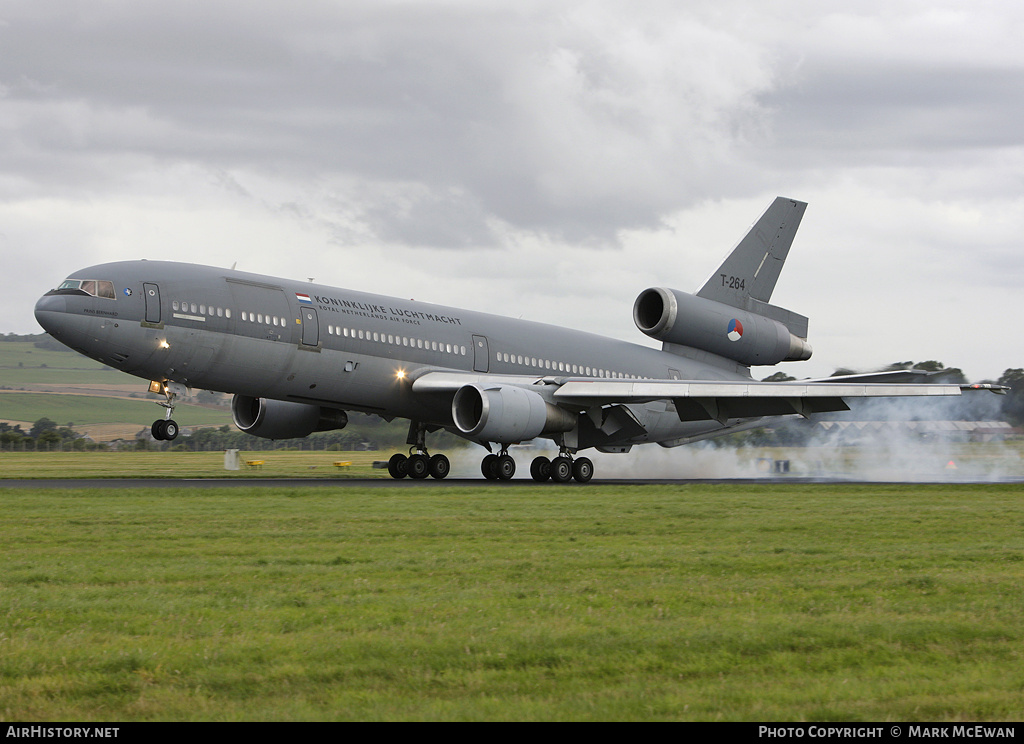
(50,313)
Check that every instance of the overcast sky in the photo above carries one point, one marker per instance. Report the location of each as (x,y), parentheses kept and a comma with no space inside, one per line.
(547,159)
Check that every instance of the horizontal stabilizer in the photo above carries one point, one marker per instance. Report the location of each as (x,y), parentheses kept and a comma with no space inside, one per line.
(794,322)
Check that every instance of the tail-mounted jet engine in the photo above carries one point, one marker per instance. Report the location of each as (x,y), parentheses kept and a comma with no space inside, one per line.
(278,419)
(506,414)
(687,320)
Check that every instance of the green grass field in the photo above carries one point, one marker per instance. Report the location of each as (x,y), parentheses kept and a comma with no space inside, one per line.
(280,464)
(702,602)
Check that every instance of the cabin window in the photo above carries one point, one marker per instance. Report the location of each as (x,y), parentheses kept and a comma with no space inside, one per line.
(93,287)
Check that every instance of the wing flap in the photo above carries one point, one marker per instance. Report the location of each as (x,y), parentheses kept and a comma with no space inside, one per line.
(639,391)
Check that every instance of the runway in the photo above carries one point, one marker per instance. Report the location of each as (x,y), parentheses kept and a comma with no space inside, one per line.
(388,483)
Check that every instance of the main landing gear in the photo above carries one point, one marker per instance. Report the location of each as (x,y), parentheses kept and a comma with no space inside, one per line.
(419,464)
(165,429)
(562,469)
(498,467)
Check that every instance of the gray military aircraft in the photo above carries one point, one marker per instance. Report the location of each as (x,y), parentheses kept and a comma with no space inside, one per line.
(298,356)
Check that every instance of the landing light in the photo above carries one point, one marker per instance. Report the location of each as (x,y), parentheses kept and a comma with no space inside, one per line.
(164,344)
(400,374)
(156,387)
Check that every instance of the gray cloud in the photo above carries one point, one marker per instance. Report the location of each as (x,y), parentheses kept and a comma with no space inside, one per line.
(535,114)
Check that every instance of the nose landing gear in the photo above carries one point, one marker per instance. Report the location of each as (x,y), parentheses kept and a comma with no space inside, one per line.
(166,429)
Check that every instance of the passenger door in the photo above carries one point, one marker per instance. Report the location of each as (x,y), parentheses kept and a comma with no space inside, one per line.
(310,326)
(480,354)
(152,293)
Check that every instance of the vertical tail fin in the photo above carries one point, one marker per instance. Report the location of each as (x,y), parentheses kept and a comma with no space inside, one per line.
(747,278)
(753,267)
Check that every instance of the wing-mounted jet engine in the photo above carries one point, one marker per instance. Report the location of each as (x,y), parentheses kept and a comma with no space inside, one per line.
(506,414)
(281,419)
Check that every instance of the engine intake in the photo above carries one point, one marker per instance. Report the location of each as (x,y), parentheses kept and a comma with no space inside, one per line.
(506,414)
(687,320)
(279,419)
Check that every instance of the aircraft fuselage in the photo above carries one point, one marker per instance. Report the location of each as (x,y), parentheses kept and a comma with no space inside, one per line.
(265,337)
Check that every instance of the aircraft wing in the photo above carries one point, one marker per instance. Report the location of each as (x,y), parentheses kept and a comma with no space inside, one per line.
(697,400)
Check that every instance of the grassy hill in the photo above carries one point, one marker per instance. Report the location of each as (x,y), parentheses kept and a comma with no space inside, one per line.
(82,410)
(66,387)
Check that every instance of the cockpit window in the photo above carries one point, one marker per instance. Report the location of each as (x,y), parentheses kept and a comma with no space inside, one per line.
(91,287)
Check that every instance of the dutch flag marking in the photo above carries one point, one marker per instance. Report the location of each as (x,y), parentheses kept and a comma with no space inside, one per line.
(304,298)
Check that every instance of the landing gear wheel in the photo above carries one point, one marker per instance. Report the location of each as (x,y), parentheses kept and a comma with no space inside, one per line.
(398,466)
(561,470)
(540,469)
(419,466)
(505,467)
(582,469)
(439,467)
(164,429)
(489,467)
